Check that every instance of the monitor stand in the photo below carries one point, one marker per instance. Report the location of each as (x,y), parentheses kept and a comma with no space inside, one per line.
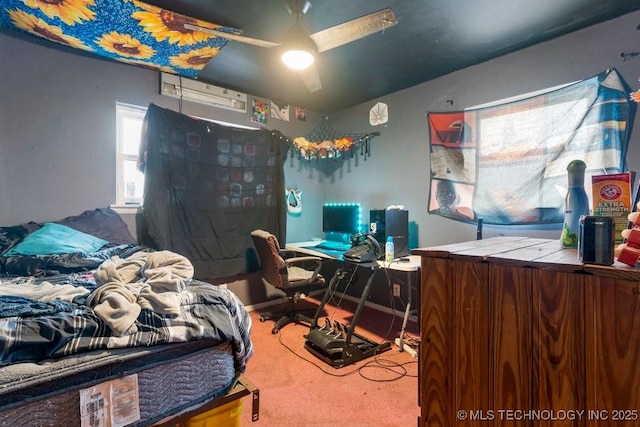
(336,344)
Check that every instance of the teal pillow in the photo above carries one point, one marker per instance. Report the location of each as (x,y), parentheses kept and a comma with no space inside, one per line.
(52,238)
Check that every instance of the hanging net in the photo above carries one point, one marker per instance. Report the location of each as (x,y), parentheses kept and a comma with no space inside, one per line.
(325,142)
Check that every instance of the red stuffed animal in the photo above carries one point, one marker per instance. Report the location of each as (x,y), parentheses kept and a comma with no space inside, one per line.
(629,252)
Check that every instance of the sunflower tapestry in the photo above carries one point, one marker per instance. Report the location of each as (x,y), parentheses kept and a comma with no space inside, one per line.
(508,163)
(129,31)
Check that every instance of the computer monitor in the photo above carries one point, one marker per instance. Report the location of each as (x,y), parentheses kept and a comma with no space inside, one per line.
(343,218)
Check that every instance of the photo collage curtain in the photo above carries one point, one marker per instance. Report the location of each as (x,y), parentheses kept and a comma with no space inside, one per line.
(507,163)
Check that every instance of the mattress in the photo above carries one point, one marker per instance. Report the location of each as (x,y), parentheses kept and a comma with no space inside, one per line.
(113,334)
(170,378)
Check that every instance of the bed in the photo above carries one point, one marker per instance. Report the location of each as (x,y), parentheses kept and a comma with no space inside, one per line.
(97,331)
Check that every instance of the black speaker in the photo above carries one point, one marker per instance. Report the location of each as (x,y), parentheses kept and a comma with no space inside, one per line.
(391,222)
(596,240)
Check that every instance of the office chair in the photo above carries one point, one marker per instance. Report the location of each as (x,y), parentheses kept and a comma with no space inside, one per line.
(289,276)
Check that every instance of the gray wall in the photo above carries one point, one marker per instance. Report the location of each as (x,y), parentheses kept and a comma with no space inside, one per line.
(398,170)
(58,146)
(57,129)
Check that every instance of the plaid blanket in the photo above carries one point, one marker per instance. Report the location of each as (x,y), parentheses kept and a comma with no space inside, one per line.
(51,330)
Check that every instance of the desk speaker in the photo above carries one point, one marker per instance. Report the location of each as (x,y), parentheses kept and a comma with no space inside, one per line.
(391,222)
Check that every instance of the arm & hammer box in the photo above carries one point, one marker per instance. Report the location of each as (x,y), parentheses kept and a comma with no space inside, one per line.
(612,197)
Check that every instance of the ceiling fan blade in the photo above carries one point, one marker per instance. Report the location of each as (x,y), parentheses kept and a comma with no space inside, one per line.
(311,78)
(231,36)
(355,29)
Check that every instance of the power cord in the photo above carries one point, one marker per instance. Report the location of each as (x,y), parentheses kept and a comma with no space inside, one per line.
(399,369)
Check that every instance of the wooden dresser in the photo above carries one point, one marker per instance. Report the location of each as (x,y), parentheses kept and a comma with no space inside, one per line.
(517,332)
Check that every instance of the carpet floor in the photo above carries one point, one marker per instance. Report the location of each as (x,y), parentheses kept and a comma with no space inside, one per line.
(297,389)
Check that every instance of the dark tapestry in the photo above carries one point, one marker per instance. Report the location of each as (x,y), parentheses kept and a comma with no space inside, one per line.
(508,163)
(207,186)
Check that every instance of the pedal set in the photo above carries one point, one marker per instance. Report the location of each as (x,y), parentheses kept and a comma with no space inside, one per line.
(334,330)
(336,343)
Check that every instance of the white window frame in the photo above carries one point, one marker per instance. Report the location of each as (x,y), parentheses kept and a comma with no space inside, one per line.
(131,112)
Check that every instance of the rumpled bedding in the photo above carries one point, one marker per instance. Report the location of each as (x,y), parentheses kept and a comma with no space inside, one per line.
(153,281)
(48,265)
(144,299)
(103,223)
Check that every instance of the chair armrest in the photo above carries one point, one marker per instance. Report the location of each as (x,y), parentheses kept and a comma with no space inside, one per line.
(288,253)
(299,259)
(306,260)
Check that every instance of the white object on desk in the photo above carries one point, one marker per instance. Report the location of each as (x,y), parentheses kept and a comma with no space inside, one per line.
(307,248)
(412,265)
(389,250)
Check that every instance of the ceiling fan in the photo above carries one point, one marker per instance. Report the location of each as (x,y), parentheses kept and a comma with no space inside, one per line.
(300,48)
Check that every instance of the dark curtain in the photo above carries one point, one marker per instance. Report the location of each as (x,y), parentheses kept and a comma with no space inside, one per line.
(207,186)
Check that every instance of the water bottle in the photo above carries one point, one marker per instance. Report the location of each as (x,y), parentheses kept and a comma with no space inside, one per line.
(389,251)
(576,204)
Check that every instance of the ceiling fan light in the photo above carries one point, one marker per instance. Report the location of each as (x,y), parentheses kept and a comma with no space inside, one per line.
(298,49)
(297,59)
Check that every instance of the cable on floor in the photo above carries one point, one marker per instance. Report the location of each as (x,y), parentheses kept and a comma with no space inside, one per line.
(378,362)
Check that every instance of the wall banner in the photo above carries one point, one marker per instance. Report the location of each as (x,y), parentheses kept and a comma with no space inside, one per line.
(507,163)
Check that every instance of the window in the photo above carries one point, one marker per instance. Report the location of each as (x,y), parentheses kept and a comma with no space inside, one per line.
(129,181)
(507,163)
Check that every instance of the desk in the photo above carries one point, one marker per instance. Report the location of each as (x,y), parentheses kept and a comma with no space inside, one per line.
(411,267)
